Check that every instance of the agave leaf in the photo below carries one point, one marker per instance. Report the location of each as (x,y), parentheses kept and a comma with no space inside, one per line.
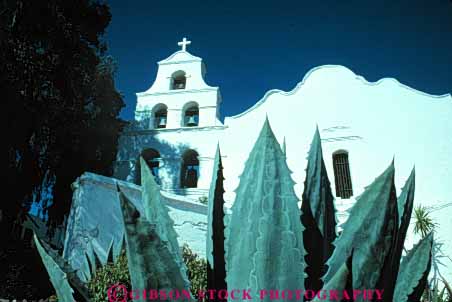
(216,266)
(58,278)
(341,281)
(264,238)
(150,260)
(370,232)
(318,216)
(405,208)
(63,265)
(405,203)
(156,212)
(414,270)
(284,147)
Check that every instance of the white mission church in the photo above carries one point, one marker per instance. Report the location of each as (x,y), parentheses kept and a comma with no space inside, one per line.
(363,125)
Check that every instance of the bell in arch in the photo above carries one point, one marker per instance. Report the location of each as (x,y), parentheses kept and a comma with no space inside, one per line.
(162,122)
(191,121)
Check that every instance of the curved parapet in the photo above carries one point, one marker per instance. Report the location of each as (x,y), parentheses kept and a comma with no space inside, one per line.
(320,71)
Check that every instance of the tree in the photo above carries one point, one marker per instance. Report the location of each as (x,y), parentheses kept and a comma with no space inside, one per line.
(60,104)
(60,108)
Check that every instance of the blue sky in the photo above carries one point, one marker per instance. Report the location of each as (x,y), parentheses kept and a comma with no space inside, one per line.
(250,47)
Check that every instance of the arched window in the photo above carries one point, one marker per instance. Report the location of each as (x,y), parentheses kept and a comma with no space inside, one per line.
(342,176)
(152,159)
(190,169)
(178,80)
(160,116)
(191,115)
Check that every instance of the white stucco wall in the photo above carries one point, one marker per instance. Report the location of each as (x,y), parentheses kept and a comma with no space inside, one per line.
(374,122)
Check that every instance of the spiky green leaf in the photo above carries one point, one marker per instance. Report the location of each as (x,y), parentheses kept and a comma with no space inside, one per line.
(151,262)
(58,278)
(414,270)
(156,212)
(341,281)
(405,207)
(264,235)
(318,216)
(216,263)
(370,232)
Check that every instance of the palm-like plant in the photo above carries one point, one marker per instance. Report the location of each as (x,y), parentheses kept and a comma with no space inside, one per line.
(423,223)
(437,258)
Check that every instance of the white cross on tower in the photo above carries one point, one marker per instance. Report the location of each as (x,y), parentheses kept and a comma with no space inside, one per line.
(184,44)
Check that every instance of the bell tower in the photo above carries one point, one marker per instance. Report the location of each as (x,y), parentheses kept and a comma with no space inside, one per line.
(179,96)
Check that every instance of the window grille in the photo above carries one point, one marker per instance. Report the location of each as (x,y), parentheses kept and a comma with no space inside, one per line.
(342,176)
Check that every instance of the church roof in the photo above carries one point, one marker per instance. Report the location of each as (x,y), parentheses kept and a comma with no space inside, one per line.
(180,56)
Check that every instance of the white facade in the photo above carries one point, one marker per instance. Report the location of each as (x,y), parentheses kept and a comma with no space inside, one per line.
(373,122)
(176,137)
(196,92)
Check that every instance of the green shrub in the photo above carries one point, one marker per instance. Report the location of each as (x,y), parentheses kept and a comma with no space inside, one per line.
(118,273)
(196,270)
(108,275)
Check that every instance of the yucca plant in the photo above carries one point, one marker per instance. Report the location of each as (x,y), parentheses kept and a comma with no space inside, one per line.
(423,223)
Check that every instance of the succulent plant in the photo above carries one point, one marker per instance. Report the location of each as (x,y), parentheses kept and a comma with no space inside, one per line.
(264,244)
(270,243)
(318,216)
(154,258)
(215,249)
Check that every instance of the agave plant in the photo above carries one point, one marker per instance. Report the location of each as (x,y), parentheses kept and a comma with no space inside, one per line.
(153,254)
(318,216)
(265,233)
(215,249)
(272,244)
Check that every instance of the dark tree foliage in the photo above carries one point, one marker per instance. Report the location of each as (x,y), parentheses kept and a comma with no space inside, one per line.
(59,100)
(216,276)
